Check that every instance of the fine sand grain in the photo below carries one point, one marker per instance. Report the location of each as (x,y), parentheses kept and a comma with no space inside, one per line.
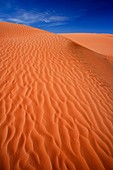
(56,101)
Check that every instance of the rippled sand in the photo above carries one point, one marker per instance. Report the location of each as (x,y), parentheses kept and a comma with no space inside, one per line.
(56,101)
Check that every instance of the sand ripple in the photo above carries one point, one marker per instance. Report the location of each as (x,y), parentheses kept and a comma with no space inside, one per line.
(56,103)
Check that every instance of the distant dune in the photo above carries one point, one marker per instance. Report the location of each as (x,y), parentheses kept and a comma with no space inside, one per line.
(101,43)
(56,100)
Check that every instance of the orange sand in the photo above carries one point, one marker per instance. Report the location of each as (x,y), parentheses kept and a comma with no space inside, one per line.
(100,43)
(56,101)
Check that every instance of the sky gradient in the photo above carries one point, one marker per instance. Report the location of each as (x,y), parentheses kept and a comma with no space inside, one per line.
(92,16)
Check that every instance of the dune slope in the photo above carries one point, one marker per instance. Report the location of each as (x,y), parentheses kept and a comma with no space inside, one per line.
(56,103)
(100,43)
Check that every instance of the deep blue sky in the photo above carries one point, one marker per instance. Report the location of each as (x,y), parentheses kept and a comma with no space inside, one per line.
(60,15)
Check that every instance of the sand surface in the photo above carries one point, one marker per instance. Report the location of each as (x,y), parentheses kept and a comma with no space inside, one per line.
(100,43)
(56,100)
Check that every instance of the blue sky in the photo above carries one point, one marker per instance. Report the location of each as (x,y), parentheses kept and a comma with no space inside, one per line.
(95,16)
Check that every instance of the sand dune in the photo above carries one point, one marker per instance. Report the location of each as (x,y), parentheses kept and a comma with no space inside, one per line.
(56,102)
(101,43)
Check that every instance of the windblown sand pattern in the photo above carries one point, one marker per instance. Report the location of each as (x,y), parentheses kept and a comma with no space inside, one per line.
(56,103)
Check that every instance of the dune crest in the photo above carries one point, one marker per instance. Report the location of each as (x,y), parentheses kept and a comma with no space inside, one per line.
(56,103)
(100,43)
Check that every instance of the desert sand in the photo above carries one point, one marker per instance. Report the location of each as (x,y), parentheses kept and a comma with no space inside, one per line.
(56,100)
(100,43)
